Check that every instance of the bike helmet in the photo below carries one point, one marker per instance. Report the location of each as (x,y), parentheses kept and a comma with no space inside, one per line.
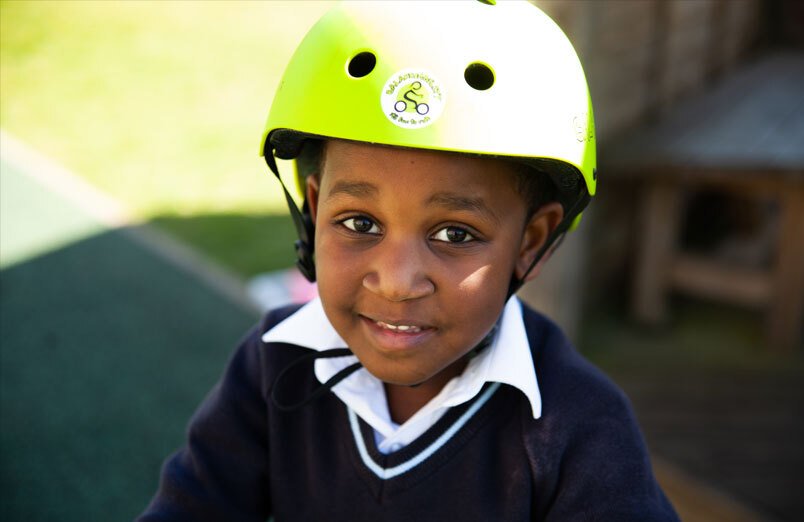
(469,76)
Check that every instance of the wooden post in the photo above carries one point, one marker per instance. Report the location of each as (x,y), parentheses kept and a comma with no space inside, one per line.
(658,229)
(784,318)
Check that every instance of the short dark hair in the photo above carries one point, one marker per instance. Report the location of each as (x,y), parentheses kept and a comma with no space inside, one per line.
(311,157)
(536,187)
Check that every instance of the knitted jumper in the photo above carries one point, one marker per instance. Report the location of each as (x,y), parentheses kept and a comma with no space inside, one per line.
(486,460)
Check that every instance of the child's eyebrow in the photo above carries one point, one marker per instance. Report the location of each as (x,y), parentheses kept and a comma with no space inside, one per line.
(456,202)
(358,189)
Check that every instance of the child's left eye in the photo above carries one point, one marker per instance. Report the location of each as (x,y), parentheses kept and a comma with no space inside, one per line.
(453,235)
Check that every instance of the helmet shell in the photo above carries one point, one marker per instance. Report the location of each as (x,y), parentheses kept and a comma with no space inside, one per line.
(536,106)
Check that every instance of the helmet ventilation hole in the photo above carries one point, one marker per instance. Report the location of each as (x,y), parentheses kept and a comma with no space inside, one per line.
(362,64)
(479,76)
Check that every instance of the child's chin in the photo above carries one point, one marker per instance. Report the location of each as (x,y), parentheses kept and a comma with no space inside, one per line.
(398,378)
(407,383)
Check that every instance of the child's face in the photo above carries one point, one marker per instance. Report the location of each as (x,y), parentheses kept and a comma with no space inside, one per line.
(414,254)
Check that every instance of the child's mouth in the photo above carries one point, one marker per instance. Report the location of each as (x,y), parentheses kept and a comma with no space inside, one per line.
(395,334)
(405,328)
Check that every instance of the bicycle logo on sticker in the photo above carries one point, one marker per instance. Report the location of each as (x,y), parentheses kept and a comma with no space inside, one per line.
(412,99)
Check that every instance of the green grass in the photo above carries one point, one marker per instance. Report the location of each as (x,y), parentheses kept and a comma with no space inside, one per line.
(245,243)
(159,104)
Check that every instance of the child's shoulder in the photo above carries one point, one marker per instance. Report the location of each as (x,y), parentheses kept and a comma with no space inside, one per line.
(252,339)
(587,430)
(251,359)
(573,390)
(275,316)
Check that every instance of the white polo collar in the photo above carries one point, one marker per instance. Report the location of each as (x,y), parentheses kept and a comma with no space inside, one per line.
(508,360)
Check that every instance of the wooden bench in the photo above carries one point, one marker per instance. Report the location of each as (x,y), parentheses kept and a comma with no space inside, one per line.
(744,136)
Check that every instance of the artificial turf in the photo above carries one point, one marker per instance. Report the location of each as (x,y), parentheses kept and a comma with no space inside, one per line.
(105,350)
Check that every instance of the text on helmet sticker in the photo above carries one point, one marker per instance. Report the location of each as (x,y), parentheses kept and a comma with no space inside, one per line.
(412,99)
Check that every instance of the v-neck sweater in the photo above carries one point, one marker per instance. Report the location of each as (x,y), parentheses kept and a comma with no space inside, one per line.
(487,459)
(507,360)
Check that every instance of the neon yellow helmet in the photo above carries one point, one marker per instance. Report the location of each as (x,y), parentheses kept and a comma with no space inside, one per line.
(465,76)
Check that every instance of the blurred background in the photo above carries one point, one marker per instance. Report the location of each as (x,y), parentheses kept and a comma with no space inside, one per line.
(141,234)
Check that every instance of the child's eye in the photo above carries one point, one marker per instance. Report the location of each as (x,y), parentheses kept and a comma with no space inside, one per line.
(453,235)
(361,225)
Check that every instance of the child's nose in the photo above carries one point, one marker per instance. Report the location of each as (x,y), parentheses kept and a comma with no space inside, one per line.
(398,272)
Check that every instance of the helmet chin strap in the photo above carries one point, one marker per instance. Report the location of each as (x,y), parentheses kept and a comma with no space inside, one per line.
(305,229)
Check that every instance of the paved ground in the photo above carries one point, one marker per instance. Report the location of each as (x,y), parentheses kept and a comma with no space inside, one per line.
(713,402)
(739,430)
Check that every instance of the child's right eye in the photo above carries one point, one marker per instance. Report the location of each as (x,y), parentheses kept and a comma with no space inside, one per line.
(361,225)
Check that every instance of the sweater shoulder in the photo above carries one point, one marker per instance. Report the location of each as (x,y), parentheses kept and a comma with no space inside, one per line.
(256,360)
(586,449)
(568,382)
(275,316)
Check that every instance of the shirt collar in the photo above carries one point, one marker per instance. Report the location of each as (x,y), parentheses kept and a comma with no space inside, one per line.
(307,327)
(507,360)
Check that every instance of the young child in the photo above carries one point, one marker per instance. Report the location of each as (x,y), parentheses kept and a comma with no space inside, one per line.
(442,149)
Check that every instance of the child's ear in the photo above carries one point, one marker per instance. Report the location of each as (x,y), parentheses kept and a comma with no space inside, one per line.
(537,230)
(312,188)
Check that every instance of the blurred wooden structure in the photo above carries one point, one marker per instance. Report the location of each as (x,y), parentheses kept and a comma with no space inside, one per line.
(640,58)
(745,136)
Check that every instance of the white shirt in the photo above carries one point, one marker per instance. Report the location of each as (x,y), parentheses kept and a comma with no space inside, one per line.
(508,360)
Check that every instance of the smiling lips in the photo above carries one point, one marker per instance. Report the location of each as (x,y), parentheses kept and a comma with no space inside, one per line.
(401,326)
(407,328)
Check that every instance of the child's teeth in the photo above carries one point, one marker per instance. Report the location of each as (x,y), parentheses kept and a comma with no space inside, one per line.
(400,328)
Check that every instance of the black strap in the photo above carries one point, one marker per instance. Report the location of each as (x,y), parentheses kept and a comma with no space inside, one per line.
(305,229)
(321,390)
(344,373)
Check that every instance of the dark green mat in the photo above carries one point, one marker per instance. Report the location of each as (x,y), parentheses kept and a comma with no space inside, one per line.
(105,351)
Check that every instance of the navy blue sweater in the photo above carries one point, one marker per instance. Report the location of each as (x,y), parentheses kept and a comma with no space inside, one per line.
(487,460)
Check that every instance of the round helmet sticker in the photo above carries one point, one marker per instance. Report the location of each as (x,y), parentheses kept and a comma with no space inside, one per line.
(412,99)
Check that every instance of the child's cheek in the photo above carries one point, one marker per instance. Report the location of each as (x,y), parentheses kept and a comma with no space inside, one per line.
(476,280)
(337,261)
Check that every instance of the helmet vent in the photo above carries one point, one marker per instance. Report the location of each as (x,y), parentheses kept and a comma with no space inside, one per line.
(479,76)
(362,64)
